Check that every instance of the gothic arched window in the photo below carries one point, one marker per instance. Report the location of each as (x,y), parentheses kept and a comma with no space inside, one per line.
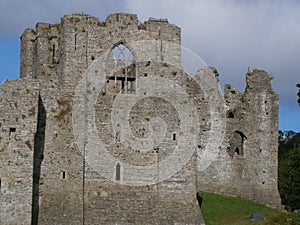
(230,114)
(121,70)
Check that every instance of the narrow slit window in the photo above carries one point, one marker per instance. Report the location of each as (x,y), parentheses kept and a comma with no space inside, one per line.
(63,175)
(174,136)
(53,52)
(237,151)
(118,171)
(75,41)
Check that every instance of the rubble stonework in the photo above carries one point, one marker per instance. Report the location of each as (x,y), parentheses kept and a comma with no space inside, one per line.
(105,127)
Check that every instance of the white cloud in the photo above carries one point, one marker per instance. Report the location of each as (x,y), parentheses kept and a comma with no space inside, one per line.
(17,15)
(230,35)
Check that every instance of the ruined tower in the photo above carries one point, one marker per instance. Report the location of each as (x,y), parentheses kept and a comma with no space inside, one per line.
(105,127)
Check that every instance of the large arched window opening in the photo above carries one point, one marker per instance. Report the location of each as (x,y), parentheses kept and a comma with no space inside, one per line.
(237,142)
(121,70)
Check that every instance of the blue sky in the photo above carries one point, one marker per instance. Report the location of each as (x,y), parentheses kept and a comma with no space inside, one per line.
(230,35)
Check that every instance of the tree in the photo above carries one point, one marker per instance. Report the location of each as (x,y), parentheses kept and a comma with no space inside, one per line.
(298,86)
(288,173)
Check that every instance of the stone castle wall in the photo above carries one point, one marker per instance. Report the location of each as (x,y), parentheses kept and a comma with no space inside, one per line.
(246,165)
(19,110)
(129,141)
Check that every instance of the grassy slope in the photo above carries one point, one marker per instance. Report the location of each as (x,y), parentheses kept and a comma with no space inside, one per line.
(224,210)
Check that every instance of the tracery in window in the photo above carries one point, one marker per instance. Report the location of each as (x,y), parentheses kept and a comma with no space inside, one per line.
(121,70)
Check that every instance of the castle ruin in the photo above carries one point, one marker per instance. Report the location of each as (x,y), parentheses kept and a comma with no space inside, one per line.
(105,127)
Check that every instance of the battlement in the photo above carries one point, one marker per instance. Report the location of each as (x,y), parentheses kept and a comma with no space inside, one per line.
(123,20)
(52,51)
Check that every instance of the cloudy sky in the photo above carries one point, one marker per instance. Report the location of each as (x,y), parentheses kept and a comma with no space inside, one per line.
(230,35)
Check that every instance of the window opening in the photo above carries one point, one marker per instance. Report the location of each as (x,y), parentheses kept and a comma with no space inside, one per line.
(12,130)
(63,175)
(75,41)
(53,52)
(174,136)
(237,142)
(118,133)
(123,72)
(118,171)
(230,114)
(237,151)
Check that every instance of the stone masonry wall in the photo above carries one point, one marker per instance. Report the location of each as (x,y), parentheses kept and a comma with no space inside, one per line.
(18,123)
(246,165)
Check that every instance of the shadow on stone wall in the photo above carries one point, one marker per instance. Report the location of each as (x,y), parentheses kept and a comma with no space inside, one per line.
(39,145)
(200,199)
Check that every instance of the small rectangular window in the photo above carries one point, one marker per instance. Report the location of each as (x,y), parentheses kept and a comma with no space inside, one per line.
(63,175)
(174,136)
(12,129)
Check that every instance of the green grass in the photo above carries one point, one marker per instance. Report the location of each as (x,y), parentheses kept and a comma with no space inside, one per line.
(224,210)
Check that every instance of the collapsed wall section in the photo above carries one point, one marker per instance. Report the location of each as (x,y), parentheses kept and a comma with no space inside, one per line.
(246,165)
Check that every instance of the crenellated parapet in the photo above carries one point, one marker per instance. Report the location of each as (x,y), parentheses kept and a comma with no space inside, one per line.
(57,52)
